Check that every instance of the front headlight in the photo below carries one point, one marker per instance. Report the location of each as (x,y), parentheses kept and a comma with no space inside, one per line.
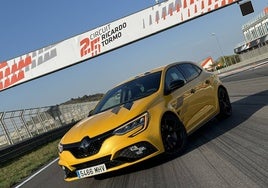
(60,147)
(140,122)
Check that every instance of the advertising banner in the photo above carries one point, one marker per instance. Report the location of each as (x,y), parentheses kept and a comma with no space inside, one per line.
(103,39)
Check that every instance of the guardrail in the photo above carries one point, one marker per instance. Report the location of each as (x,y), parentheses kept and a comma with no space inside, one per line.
(20,125)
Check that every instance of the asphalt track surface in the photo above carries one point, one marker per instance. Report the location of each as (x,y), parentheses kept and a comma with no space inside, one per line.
(228,153)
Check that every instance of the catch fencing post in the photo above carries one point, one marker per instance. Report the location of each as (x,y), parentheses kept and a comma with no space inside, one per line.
(5,129)
(25,124)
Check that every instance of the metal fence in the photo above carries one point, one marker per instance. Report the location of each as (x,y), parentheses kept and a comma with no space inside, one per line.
(16,126)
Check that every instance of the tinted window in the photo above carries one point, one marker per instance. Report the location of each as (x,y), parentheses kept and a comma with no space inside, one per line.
(173,74)
(190,71)
(130,91)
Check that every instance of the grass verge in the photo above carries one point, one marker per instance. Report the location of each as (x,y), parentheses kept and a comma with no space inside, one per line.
(15,171)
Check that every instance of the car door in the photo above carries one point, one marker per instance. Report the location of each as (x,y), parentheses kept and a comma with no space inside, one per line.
(180,100)
(200,91)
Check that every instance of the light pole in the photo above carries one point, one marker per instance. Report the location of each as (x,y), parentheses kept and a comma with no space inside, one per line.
(224,60)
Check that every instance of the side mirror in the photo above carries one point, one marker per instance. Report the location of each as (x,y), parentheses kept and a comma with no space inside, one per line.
(174,85)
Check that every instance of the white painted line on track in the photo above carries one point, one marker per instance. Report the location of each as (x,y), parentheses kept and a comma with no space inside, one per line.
(35,174)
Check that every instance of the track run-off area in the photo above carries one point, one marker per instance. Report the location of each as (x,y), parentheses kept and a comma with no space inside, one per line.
(228,153)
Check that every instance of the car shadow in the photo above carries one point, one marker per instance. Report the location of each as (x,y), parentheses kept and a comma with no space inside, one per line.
(208,132)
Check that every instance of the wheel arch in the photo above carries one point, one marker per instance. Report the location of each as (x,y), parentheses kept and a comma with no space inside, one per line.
(218,89)
(223,87)
(222,114)
(170,113)
(181,135)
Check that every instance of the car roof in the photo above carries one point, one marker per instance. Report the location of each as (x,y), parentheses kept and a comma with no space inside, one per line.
(161,68)
(167,66)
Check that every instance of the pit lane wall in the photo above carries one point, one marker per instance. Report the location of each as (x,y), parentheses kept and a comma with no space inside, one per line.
(103,39)
(248,59)
(23,130)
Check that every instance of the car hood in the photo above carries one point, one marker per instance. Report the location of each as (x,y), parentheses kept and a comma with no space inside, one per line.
(107,120)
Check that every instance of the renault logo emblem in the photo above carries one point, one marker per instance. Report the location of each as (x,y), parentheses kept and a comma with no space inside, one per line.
(85,144)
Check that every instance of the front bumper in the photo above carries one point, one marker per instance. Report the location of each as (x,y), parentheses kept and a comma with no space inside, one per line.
(124,157)
(112,150)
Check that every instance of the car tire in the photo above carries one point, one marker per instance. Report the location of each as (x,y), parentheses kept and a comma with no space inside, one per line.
(174,136)
(224,103)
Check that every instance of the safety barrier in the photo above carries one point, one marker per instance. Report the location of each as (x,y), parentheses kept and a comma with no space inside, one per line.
(20,125)
(252,57)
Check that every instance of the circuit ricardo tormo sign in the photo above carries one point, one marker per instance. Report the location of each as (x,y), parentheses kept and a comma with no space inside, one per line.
(103,39)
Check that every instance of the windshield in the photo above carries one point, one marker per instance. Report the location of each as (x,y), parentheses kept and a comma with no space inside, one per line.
(135,89)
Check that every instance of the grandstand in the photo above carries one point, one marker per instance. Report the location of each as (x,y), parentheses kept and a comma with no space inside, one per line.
(255,32)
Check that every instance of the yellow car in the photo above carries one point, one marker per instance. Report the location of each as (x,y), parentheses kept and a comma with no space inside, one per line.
(141,118)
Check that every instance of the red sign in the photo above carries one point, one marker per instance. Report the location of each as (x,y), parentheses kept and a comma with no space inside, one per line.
(266,10)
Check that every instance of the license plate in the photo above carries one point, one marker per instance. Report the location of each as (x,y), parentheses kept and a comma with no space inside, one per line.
(91,171)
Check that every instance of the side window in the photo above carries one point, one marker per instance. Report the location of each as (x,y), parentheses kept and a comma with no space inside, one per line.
(173,74)
(198,69)
(190,71)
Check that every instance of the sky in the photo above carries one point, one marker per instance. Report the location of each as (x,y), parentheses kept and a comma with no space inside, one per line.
(29,25)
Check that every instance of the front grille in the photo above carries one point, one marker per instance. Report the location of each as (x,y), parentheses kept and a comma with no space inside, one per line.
(104,160)
(69,174)
(126,155)
(113,163)
(93,146)
(93,162)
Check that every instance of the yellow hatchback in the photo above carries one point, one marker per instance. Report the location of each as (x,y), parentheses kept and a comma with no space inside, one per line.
(143,117)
